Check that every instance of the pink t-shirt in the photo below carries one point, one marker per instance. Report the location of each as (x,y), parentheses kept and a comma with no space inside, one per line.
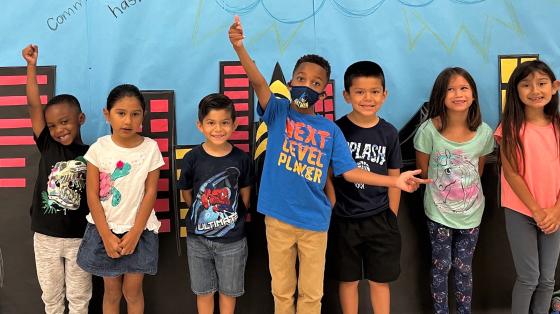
(542,168)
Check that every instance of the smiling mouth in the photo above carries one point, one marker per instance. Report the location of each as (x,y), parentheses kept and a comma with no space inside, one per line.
(63,138)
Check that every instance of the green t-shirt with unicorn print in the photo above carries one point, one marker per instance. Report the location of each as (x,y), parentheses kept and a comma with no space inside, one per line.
(454,198)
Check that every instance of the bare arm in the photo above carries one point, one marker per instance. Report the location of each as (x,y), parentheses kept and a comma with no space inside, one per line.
(520,188)
(358,175)
(110,241)
(481,163)
(422,160)
(551,223)
(329,188)
(31,54)
(187,197)
(547,219)
(394,193)
(406,181)
(130,240)
(255,77)
(246,196)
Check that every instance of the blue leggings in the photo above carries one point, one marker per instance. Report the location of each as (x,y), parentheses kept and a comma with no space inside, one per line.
(452,248)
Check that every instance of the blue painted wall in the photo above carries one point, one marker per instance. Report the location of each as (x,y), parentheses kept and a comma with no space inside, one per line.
(177,44)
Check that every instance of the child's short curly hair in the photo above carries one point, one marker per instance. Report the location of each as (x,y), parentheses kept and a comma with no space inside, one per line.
(318,60)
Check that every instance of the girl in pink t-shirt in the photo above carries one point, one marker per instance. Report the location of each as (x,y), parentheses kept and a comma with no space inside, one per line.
(529,141)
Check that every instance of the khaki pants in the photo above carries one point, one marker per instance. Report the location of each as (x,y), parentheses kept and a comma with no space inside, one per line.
(285,242)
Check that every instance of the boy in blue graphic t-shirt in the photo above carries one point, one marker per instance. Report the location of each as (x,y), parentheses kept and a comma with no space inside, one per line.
(301,147)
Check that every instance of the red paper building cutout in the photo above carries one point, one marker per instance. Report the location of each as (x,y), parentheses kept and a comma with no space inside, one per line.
(18,154)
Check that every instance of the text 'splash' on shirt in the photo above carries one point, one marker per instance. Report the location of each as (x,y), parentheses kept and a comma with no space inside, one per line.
(376,150)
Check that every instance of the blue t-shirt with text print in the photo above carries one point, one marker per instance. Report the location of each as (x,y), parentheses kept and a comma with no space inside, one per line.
(300,149)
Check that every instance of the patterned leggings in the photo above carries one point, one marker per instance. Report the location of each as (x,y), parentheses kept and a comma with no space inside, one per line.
(452,248)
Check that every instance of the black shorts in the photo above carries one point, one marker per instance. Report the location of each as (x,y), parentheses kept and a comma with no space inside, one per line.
(367,248)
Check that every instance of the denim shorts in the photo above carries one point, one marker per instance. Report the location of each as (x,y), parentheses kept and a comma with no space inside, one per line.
(93,258)
(215,266)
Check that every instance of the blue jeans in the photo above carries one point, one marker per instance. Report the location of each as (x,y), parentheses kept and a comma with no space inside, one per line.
(215,266)
(452,248)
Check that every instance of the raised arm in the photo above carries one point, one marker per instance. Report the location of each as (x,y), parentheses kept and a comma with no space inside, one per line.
(255,77)
(31,54)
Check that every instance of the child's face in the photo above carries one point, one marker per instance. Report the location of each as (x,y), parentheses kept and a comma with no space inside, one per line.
(125,117)
(311,75)
(536,89)
(459,96)
(217,126)
(64,122)
(366,95)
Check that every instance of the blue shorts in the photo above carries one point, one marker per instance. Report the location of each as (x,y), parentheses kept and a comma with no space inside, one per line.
(215,266)
(93,258)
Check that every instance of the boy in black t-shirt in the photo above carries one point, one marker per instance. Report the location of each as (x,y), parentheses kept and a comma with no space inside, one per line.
(215,183)
(364,230)
(59,203)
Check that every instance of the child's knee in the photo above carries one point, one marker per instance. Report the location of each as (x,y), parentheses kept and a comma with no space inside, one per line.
(112,289)
(112,295)
(349,284)
(378,285)
(132,294)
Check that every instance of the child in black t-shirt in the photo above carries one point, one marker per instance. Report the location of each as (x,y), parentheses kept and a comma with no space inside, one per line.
(364,228)
(59,204)
(215,183)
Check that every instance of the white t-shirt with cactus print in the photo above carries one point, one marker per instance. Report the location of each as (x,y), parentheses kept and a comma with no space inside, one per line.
(122,174)
(454,198)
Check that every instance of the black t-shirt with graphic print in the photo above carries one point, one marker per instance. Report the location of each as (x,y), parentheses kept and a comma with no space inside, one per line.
(217,212)
(59,205)
(374,149)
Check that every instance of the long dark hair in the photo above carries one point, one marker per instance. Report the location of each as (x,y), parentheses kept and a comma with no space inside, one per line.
(513,117)
(436,104)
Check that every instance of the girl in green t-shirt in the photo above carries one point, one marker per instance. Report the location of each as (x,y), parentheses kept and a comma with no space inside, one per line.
(451,146)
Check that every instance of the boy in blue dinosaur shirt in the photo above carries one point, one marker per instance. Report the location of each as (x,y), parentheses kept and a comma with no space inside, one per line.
(301,147)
